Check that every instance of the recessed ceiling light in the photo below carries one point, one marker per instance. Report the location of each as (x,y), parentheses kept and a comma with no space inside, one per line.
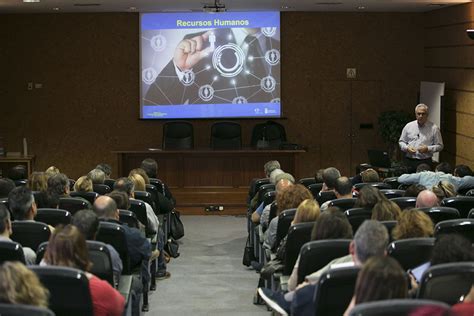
(286,7)
(132,8)
(361,7)
(31,1)
(56,9)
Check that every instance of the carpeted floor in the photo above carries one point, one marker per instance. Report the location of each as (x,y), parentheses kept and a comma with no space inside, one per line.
(208,278)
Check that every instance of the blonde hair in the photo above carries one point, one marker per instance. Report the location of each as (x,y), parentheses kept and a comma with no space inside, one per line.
(386,210)
(138,182)
(51,171)
(413,224)
(141,172)
(307,211)
(20,285)
(83,184)
(38,181)
(370,175)
(444,189)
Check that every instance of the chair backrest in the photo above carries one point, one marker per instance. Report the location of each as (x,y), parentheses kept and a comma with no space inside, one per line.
(447,282)
(22,310)
(307,181)
(471,213)
(102,189)
(315,188)
(11,251)
(357,216)
(114,235)
(256,184)
(405,202)
(263,190)
(4,201)
(128,218)
(72,204)
(324,196)
(392,181)
(153,190)
(411,252)
(226,135)
(139,208)
(314,255)
(343,204)
(298,235)
(273,132)
(397,307)
(30,234)
(390,225)
(89,196)
(392,193)
(462,203)
(178,135)
(273,211)
(441,213)
(269,197)
(53,216)
(110,183)
(284,221)
(462,226)
(146,197)
(21,182)
(68,289)
(160,186)
(470,192)
(334,291)
(101,260)
(41,251)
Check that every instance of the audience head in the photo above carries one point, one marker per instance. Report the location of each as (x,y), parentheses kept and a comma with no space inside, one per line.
(274,174)
(413,190)
(426,198)
(6,185)
(20,285)
(105,207)
(444,189)
(451,248)
(22,203)
(97,176)
(125,185)
(343,187)
(138,182)
(413,224)
(38,181)
(151,167)
(330,175)
(18,172)
(368,197)
(270,166)
(51,171)
(462,171)
(83,184)
(386,210)
(67,247)
(282,185)
(319,176)
(58,184)
(284,176)
(381,278)
(121,199)
(142,173)
(307,211)
(371,239)
(5,223)
(444,167)
(292,196)
(370,175)
(87,222)
(423,167)
(332,224)
(106,168)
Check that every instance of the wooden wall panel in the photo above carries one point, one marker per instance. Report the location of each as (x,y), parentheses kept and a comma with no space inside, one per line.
(460,101)
(450,15)
(447,35)
(462,121)
(453,57)
(455,78)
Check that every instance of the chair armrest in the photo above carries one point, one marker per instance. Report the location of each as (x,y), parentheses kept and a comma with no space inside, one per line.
(125,288)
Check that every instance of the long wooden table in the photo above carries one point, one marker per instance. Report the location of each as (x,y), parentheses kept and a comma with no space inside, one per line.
(6,163)
(203,177)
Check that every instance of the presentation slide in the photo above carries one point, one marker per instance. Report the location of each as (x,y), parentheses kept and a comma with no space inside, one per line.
(210,65)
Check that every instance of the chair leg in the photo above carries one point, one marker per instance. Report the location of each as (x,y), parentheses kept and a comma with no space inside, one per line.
(153,270)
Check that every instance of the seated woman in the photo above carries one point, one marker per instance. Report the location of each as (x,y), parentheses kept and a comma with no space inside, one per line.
(83,184)
(386,210)
(413,224)
(444,189)
(38,183)
(20,285)
(67,247)
(381,278)
(368,197)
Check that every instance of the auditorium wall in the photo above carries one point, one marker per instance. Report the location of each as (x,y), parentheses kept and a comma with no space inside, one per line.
(88,65)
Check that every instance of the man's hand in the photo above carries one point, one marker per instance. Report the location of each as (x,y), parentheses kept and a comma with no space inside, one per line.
(423,149)
(190,51)
(411,149)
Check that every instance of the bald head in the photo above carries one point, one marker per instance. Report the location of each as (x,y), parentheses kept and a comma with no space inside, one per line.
(105,207)
(282,185)
(426,198)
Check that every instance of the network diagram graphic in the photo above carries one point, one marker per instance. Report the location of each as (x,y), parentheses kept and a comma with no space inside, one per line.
(239,65)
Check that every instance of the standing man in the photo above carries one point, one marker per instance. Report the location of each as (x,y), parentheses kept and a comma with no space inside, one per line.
(420,139)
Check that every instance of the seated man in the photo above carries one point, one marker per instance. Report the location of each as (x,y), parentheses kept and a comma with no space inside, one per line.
(58,187)
(426,198)
(151,168)
(6,231)
(343,190)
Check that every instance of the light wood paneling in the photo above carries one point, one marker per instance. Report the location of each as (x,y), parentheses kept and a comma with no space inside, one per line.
(447,35)
(461,101)
(449,15)
(455,57)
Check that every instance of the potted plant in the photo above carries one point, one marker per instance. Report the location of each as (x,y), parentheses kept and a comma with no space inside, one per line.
(391,124)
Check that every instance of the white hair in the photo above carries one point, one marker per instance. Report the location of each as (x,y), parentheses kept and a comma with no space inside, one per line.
(422,105)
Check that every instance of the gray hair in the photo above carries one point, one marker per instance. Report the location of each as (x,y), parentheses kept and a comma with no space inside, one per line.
(274,174)
(270,166)
(97,176)
(422,105)
(330,175)
(284,176)
(371,239)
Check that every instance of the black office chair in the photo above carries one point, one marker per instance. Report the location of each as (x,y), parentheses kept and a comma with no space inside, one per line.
(99,255)
(263,190)
(357,216)
(146,197)
(471,214)
(110,183)
(89,196)
(22,310)
(160,186)
(4,201)
(30,234)
(68,289)
(139,208)
(462,203)
(284,221)
(411,252)
(440,213)
(315,189)
(396,307)
(273,132)
(102,189)
(226,135)
(392,193)
(153,190)
(324,196)
(129,218)
(114,235)
(470,192)
(462,226)
(447,282)
(343,204)
(178,135)
(390,225)
(314,255)
(255,185)
(405,202)
(393,182)
(269,197)
(307,181)
(298,235)
(378,185)
(72,204)
(335,290)
(21,182)
(11,251)
(53,216)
